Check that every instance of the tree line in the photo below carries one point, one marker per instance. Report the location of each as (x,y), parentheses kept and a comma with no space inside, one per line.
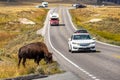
(98,1)
(114,1)
(9,0)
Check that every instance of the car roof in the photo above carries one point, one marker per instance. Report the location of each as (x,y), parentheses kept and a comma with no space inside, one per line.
(81,34)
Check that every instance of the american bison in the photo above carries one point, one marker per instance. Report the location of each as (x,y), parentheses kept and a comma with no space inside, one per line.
(36,51)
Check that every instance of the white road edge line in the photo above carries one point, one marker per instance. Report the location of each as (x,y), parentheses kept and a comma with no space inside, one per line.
(96,41)
(81,69)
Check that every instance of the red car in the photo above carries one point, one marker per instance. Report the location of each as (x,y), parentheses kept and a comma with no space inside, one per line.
(54,22)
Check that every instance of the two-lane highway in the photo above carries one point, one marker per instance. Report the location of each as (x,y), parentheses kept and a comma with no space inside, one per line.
(103,65)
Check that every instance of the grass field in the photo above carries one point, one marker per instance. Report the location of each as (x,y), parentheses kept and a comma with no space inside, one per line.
(106,30)
(14,35)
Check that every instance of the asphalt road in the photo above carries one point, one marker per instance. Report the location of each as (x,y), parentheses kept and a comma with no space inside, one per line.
(101,65)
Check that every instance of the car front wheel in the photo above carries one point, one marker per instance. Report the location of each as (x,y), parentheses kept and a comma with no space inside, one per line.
(69,50)
(93,50)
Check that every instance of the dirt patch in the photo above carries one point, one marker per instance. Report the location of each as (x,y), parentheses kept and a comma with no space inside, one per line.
(95,20)
(25,21)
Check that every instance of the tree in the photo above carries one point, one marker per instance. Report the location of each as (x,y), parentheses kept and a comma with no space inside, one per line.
(10,0)
(99,2)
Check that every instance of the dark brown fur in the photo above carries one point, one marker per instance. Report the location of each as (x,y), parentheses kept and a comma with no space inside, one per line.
(36,51)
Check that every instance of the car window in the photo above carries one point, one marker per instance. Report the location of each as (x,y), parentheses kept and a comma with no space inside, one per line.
(81,37)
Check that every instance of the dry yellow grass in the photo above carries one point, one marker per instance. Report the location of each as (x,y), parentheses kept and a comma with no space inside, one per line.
(12,9)
(98,12)
(107,30)
(14,35)
(9,69)
(10,27)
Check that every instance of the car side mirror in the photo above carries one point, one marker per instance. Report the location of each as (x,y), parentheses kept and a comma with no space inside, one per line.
(69,39)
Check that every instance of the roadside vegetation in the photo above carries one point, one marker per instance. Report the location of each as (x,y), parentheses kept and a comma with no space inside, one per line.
(14,35)
(102,22)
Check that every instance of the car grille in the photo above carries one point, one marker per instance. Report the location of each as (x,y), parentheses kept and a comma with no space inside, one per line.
(85,44)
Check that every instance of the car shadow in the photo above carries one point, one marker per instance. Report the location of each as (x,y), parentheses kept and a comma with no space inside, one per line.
(61,24)
(90,52)
(57,25)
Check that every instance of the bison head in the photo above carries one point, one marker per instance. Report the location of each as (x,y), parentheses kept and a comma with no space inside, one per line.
(48,58)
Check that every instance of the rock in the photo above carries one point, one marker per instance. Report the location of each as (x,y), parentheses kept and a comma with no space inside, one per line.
(95,20)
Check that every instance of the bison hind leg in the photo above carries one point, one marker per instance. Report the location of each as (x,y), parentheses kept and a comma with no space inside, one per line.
(24,60)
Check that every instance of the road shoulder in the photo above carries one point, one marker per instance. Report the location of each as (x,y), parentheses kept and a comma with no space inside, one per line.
(63,76)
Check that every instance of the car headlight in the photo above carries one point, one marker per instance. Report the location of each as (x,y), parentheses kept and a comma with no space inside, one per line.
(74,43)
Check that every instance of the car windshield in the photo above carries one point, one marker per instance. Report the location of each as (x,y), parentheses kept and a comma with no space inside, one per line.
(81,31)
(54,18)
(81,37)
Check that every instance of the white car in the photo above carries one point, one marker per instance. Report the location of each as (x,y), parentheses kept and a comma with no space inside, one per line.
(81,41)
(74,5)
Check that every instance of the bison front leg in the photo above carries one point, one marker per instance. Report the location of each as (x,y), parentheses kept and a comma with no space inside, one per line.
(38,60)
(46,59)
(35,60)
(24,60)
